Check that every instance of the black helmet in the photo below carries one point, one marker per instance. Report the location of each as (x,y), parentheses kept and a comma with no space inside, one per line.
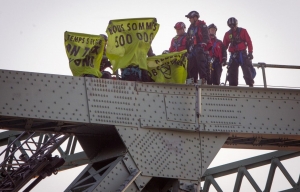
(105,36)
(192,14)
(232,21)
(212,26)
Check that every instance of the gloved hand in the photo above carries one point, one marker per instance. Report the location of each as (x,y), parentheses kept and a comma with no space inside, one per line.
(250,56)
(223,62)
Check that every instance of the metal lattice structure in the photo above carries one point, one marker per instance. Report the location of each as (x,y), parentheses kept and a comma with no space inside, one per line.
(71,157)
(35,160)
(153,136)
(242,167)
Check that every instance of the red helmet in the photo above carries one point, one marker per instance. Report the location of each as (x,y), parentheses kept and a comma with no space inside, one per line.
(179,25)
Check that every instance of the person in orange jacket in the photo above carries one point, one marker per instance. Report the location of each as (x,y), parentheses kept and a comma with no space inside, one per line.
(217,55)
(238,41)
(198,44)
(178,42)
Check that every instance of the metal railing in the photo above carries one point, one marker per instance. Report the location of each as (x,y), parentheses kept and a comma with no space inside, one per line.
(264,65)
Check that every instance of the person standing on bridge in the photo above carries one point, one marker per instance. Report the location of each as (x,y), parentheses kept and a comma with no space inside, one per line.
(217,55)
(134,73)
(105,63)
(198,42)
(238,40)
(178,42)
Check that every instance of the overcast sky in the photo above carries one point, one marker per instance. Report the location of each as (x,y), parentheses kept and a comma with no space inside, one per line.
(32,35)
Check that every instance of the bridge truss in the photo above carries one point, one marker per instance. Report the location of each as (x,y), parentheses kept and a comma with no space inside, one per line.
(145,136)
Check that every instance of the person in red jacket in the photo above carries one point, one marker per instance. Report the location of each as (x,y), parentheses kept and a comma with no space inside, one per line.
(238,40)
(217,55)
(178,43)
(198,42)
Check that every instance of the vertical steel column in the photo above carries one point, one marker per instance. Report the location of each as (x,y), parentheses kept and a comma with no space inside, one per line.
(238,181)
(69,145)
(197,116)
(263,65)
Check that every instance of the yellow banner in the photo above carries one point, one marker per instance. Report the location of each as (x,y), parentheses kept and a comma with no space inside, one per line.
(129,41)
(168,68)
(84,52)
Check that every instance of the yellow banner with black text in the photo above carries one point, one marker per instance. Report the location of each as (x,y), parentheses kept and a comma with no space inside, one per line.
(129,41)
(168,68)
(85,53)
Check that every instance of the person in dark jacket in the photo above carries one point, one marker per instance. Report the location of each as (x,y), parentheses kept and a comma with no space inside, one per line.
(238,41)
(198,42)
(105,63)
(134,73)
(217,55)
(178,42)
(150,52)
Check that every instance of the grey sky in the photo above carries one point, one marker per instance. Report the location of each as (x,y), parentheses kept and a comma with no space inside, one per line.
(32,34)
